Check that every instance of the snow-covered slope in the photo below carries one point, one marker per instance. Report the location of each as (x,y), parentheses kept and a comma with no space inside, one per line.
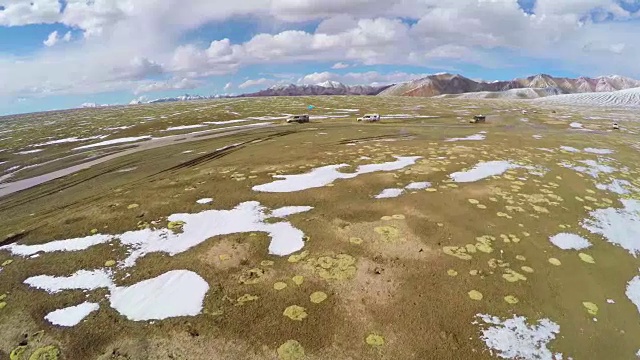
(526,93)
(628,97)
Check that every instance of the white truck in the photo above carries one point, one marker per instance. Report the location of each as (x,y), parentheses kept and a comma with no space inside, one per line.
(369,118)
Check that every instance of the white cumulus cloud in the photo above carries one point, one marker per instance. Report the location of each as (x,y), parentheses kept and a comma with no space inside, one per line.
(340,65)
(174,84)
(256,82)
(359,78)
(54,38)
(122,44)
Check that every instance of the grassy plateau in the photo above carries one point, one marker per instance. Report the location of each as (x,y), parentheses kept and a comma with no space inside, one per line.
(436,238)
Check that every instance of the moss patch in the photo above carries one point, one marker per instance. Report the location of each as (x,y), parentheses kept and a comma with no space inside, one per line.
(475,295)
(591,307)
(374,340)
(340,267)
(251,276)
(298,257)
(510,299)
(295,312)
(279,285)
(318,297)
(513,276)
(16,353)
(109,263)
(290,350)
(246,298)
(586,258)
(554,261)
(7,262)
(45,353)
(298,279)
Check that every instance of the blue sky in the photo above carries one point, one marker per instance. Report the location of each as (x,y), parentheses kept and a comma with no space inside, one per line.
(117,52)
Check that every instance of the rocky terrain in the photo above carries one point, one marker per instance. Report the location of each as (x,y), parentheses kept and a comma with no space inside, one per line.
(441,84)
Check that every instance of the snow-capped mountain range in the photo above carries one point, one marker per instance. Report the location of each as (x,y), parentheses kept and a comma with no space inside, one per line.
(443,85)
(324,88)
(185,97)
(440,84)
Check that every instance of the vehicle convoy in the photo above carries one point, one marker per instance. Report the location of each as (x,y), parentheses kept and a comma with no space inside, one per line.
(369,118)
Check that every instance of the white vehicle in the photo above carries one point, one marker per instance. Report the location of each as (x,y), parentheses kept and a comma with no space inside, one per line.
(298,118)
(616,126)
(370,117)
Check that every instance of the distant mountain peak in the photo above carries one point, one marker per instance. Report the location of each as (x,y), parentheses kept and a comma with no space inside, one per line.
(185,97)
(323,88)
(330,84)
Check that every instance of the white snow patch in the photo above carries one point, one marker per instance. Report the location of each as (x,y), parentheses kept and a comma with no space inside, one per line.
(617,186)
(69,140)
(610,301)
(80,280)
(185,127)
(269,117)
(246,217)
(119,127)
(576,125)
(592,168)
(389,193)
(325,175)
(72,315)
(395,192)
(172,294)
(225,122)
(569,149)
(598,151)
(289,210)
(483,170)
(516,339)
(26,152)
(204,201)
(408,116)
(418,185)
(620,227)
(567,241)
(476,137)
(114,141)
(537,137)
(633,291)
(620,98)
(127,169)
(229,128)
(76,244)
(318,177)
